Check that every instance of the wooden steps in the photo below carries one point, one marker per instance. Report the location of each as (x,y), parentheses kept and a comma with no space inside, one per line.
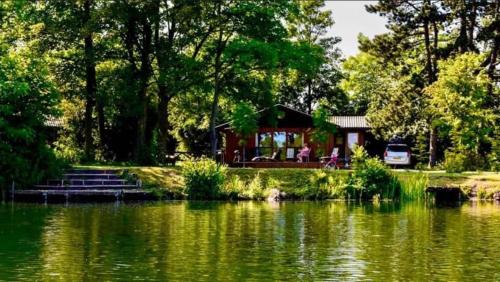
(85,185)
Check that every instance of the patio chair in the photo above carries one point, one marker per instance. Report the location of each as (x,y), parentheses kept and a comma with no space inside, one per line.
(236,158)
(332,160)
(275,157)
(304,156)
(172,159)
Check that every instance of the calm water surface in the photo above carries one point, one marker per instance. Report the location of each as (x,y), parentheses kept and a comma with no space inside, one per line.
(250,241)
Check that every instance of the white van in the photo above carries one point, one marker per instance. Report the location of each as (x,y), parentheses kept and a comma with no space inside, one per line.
(397,154)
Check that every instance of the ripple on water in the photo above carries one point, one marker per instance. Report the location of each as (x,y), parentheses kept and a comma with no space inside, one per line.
(249,241)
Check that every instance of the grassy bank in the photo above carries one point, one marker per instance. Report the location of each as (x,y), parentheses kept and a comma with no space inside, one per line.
(300,183)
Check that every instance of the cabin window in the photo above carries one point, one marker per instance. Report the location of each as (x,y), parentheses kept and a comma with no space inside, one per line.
(264,144)
(295,142)
(288,142)
(279,143)
(352,139)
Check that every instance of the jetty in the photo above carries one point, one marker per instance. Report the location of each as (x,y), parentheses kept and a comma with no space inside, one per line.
(85,185)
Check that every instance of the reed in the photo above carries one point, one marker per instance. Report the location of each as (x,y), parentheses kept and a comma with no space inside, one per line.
(413,187)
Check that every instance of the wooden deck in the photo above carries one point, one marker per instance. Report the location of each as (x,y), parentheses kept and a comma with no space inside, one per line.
(274,164)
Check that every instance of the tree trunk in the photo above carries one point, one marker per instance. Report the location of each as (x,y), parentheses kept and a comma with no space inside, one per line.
(491,68)
(493,59)
(435,45)
(428,53)
(432,146)
(431,77)
(163,122)
(462,40)
(213,116)
(472,25)
(142,152)
(101,119)
(90,84)
(217,90)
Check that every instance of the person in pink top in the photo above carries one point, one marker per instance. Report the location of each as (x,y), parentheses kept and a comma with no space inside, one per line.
(303,153)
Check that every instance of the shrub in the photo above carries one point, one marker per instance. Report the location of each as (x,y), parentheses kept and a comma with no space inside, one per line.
(325,185)
(255,190)
(359,156)
(27,98)
(482,194)
(233,187)
(454,162)
(204,178)
(370,178)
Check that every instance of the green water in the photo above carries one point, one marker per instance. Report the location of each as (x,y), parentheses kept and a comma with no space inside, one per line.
(249,241)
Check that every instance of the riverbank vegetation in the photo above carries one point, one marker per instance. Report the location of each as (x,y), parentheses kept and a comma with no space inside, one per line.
(135,81)
(299,184)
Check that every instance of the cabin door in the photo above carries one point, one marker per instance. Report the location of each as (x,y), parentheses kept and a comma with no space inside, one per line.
(352,139)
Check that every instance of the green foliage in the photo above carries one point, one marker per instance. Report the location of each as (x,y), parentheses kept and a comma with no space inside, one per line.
(371,178)
(460,99)
(325,185)
(322,126)
(244,121)
(455,162)
(314,71)
(482,194)
(203,178)
(363,76)
(494,156)
(255,190)
(359,156)
(413,187)
(27,98)
(233,187)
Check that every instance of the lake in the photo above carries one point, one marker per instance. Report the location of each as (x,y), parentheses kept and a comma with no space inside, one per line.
(249,241)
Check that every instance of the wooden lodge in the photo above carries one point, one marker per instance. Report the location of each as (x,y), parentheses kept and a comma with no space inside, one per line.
(279,140)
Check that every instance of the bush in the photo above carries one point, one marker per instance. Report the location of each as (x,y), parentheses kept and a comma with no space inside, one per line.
(370,178)
(27,98)
(233,187)
(454,162)
(255,191)
(203,178)
(324,185)
(359,156)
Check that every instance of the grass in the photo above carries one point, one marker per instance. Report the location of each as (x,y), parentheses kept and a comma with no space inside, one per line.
(413,186)
(295,182)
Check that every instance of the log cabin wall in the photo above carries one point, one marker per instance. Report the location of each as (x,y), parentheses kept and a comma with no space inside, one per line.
(292,121)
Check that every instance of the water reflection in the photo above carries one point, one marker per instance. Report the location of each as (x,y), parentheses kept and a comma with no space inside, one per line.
(250,240)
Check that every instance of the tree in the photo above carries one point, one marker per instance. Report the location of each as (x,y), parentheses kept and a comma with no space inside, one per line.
(244,123)
(68,30)
(316,79)
(322,127)
(459,99)
(411,22)
(244,32)
(27,98)
(362,81)
(438,29)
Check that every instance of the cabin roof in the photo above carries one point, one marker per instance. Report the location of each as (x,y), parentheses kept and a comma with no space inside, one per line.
(305,120)
(350,121)
(52,121)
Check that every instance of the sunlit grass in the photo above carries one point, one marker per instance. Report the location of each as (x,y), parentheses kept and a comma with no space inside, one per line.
(296,181)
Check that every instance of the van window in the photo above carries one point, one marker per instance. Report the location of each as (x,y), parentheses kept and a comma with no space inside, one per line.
(397,148)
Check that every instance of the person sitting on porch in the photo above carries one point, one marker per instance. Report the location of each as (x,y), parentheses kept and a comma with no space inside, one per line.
(303,153)
(333,159)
